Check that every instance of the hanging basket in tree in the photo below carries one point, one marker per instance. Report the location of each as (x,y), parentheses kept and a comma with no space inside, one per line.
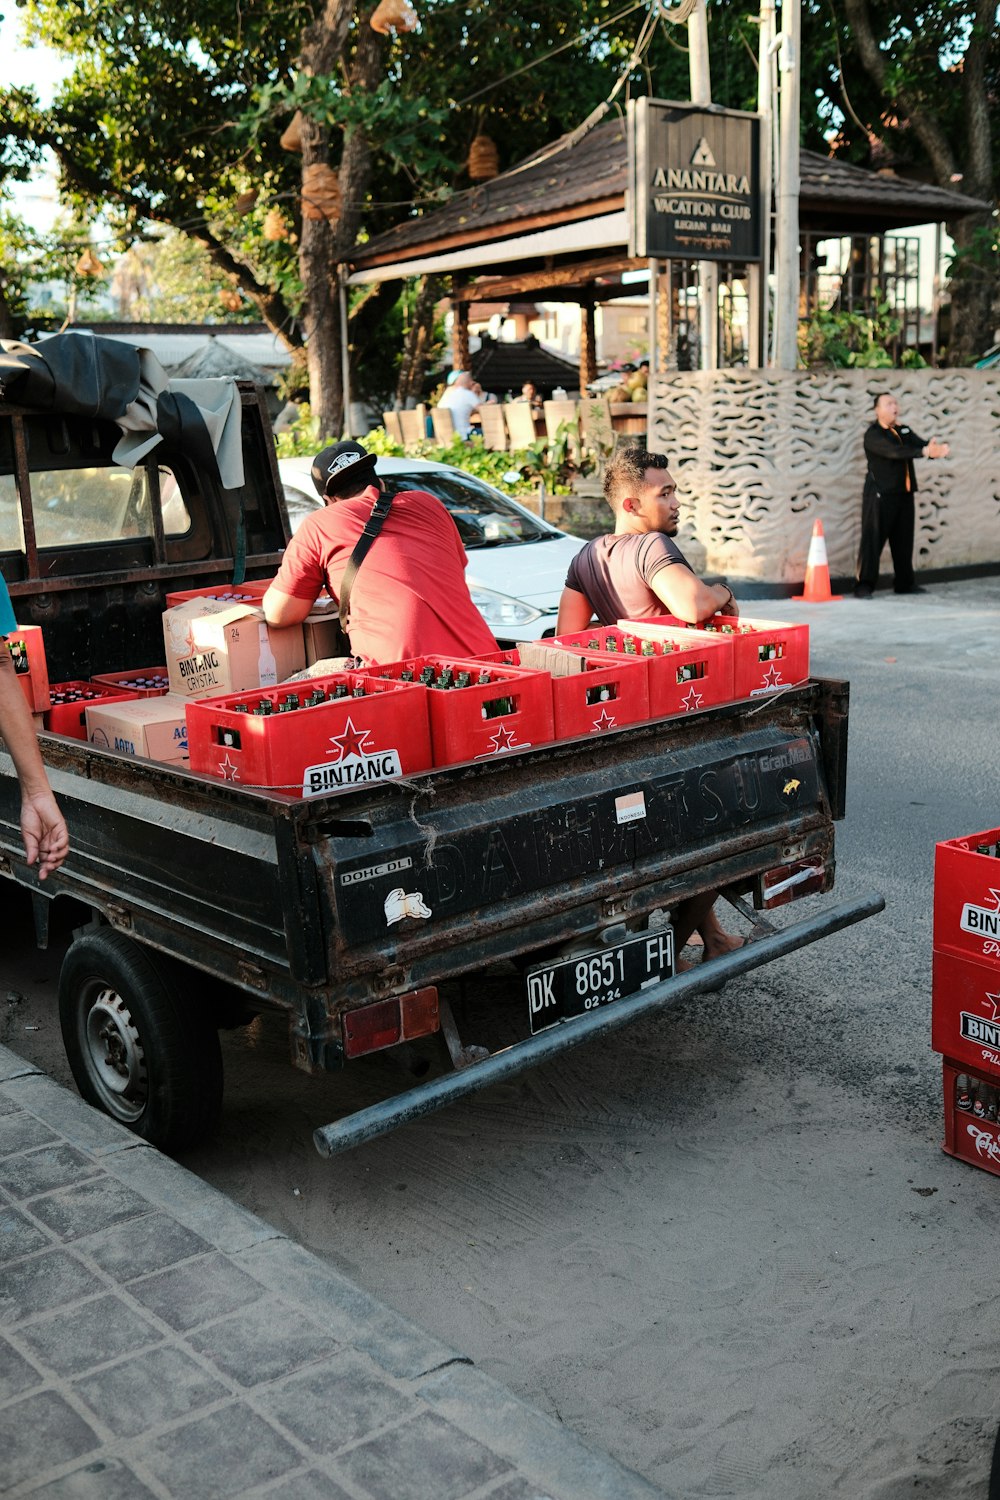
(275,227)
(483,160)
(88,264)
(245,201)
(320,192)
(393,15)
(291,137)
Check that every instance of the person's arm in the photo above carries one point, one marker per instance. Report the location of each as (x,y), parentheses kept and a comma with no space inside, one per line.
(880,443)
(43,829)
(285,609)
(300,568)
(575,613)
(686,597)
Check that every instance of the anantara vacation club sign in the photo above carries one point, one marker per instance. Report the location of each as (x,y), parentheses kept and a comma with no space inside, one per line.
(694,182)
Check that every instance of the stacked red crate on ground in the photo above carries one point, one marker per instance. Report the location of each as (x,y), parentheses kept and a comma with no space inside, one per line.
(965,1006)
(314,737)
(768,655)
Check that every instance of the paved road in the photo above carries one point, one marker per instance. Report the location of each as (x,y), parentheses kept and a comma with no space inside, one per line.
(725,1247)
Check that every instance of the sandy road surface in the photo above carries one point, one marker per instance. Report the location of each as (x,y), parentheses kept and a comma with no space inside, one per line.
(725,1245)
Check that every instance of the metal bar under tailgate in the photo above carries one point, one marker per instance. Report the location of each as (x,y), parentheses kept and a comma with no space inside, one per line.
(366,1124)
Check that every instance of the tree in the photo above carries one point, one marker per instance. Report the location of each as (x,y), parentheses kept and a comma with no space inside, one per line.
(922,77)
(173,116)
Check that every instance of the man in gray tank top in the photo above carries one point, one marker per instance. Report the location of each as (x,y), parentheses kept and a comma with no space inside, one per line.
(635,573)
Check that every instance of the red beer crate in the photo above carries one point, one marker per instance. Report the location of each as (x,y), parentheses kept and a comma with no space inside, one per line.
(233,593)
(513,711)
(608,694)
(69,718)
(316,750)
(767,654)
(971,1128)
(965,1011)
(140,682)
(27,648)
(683,674)
(967,898)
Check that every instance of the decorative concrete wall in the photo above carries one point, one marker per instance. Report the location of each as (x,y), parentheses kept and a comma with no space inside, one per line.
(759,455)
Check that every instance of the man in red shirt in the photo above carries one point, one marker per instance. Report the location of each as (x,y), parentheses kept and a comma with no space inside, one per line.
(409,597)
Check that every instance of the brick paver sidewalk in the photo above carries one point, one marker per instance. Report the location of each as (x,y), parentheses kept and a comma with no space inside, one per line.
(158,1340)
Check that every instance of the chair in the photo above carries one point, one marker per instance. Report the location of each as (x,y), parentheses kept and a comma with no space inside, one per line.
(393,426)
(558,413)
(412,427)
(443,424)
(520,424)
(494,428)
(596,427)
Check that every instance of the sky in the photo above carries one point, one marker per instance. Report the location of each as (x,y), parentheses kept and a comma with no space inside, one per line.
(35,201)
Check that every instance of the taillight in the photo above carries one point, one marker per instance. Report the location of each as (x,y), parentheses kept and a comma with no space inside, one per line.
(371,1028)
(788,882)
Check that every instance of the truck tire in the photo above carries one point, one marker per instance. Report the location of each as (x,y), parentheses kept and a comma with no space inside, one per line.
(137,1048)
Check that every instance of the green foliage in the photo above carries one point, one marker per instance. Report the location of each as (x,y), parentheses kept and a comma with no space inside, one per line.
(850,340)
(511,473)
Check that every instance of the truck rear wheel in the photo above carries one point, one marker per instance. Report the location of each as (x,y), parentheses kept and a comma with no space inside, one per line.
(137,1048)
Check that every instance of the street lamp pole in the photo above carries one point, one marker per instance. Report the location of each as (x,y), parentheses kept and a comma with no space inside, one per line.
(708,271)
(786,239)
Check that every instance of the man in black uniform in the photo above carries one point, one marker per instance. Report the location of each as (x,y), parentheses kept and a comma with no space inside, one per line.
(887,512)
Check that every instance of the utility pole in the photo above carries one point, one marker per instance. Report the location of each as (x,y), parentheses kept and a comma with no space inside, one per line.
(708,271)
(786,258)
(761,338)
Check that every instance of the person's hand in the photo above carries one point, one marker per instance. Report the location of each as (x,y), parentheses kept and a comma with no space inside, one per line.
(730,608)
(937,450)
(43,829)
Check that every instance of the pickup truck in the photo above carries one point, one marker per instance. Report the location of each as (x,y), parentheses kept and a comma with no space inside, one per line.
(197,903)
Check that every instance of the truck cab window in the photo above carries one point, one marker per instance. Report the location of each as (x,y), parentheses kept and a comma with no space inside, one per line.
(101,504)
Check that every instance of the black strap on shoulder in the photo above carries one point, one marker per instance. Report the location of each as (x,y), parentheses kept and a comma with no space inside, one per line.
(372,527)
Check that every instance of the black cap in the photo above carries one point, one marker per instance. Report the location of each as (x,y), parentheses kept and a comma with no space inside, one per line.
(339,462)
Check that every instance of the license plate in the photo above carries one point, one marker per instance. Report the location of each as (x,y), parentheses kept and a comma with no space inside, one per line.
(590,980)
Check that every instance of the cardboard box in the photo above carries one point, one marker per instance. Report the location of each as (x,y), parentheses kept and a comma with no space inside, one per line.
(215,648)
(322,636)
(27,649)
(152,728)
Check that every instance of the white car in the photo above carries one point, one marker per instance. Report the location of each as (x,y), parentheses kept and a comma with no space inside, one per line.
(508,547)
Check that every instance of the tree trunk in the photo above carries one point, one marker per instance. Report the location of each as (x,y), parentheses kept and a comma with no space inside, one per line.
(419,345)
(973,285)
(324,245)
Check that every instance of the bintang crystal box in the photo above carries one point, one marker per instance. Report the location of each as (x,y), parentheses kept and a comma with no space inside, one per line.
(315,737)
(768,655)
(214,648)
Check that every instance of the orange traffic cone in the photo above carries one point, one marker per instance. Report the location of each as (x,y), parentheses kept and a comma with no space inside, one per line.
(817,585)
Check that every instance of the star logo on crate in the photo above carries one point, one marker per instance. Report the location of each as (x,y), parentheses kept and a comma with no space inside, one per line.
(692,699)
(772,678)
(351,742)
(994,1001)
(229,771)
(995,894)
(604,721)
(503,739)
